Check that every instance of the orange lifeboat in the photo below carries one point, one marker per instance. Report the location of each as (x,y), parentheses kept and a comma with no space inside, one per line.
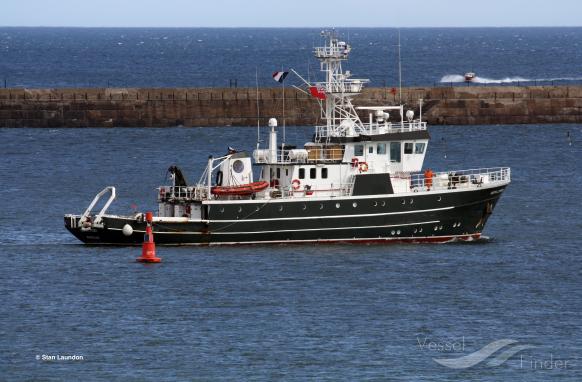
(241,190)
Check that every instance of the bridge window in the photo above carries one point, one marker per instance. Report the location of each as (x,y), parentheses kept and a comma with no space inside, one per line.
(358,150)
(312,173)
(419,148)
(370,149)
(395,154)
(324,173)
(381,149)
(278,173)
(408,146)
(301,173)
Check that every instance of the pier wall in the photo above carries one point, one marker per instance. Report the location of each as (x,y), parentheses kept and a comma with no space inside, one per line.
(463,105)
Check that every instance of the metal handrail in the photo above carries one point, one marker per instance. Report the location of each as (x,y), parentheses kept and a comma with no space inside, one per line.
(332,51)
(376,128)
(460,178)
(181,193)
(471,178)
(287,192)
(315,154)
(352,85)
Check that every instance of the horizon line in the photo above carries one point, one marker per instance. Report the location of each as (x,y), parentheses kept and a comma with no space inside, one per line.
(290,27)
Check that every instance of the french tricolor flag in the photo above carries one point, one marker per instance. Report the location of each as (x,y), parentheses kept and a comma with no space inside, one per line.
(280,76)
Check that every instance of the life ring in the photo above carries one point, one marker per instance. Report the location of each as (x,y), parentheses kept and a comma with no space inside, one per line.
(354,162)
(363,166)
(296,184)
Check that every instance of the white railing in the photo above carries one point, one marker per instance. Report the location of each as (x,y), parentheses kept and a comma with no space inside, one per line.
(332,51)
(287,192)
(342,85)
(391,128)
(458,179)
(190,193)
(374,128)
(311,154)
(472,178)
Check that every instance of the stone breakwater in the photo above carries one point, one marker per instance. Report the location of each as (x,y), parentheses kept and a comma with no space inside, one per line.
(464,105)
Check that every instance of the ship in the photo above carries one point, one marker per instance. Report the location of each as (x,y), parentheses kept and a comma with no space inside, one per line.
(360,179)
(470,76)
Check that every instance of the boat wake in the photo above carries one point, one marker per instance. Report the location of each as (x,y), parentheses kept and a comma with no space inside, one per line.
(471,241)
(455,78)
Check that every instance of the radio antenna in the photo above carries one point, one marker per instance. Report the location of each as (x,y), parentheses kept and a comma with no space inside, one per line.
(258,110)
(399,70)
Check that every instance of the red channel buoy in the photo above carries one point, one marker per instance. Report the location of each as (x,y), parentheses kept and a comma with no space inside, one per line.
(148,250)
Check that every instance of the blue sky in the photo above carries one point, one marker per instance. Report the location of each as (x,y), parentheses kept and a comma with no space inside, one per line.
(290,13)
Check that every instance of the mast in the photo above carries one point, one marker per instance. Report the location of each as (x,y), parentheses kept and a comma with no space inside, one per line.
(284,132)
(399,70)
(284,124)
(258,110)
(336,93)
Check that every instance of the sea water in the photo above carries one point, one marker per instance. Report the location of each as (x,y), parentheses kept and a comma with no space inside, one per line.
(223,57)
(288,312)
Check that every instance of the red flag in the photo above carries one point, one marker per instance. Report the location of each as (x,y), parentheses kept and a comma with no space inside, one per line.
(317,92)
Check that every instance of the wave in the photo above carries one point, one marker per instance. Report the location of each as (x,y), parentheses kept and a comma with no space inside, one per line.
(482,80)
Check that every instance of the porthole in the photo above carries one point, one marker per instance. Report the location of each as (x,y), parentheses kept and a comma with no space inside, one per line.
(222,210)
(321,206)
(403,202)
(439,198)
(398,232)
(383,204)
(441,228)
(375,204)
(420,230)
(304,207)
(436,227)
(258,208)
(337,205)
(354,204)
(238,166)
(411,201)
(392,232)
(240,209)
(280,208)
(415,230)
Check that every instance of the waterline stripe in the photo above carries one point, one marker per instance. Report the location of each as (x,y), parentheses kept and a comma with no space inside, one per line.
(332,216)
(323,229)
(419,239)
(283,230)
